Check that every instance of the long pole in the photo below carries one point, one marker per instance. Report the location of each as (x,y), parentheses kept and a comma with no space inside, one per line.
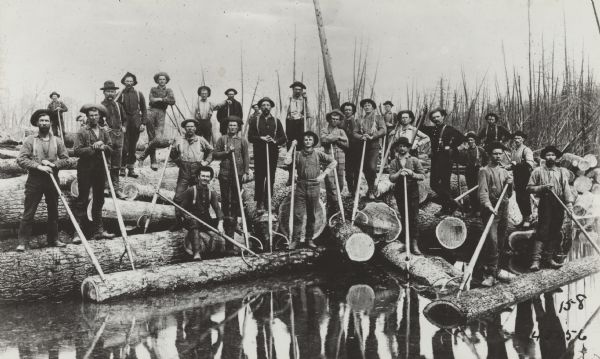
(479,247)
(291,218)
(466,193)
(337,189)
(84,241)
(239,193)
(386,153)
(406,227)
(62,133)
(356,196)
(331,89)
(118,211)
(268,179)
(585,233)
(155,196)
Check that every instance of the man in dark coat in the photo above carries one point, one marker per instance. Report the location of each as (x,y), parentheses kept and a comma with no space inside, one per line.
(473,157)
(354,150)
(296,116)
(56,108)
(114,122)
(136,117)
(522,165)
(493,132)
(232,107)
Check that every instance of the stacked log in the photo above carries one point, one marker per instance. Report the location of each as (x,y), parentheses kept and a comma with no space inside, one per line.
(9,167)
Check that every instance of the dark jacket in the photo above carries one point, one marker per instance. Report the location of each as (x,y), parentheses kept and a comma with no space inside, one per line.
(90,159)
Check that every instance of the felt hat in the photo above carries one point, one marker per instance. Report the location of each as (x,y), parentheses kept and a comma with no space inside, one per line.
(231,89)
(298,84)
(520,134)
(162,73)
(184,122)
(495,145)
(410,114)
(388,103)
(259,103)
(313,135)
(552,149)
(204,87)
(351,105)
(207,169)
(109,85)
(90,106)
(129,74)
(401,141)
(367,100)
(233,118)
(54,93)
(334,112)
(36,115)
(471,134)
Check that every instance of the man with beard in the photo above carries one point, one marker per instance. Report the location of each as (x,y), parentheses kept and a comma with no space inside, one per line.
(136,117)
(90,142)
(197,200)
(160,98)
(335,142)
(190,152)
(546,179)
(297,114)
(445,140)
(522,164)
(493,131)
(42,155)
(266,133)
(368,130)
(231,107)
(114,124)
(353,152)
(56,108)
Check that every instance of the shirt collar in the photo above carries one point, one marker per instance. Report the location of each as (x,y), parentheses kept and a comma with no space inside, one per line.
(308,151)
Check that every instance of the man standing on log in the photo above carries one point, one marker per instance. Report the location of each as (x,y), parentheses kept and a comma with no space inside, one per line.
(90,142)
(406,129)
(265,131)
(546,179)
(231,107)
(474,157)
(493,132)
(203,112)
(190,153)
(335,142)
(197,200)
(160,98)
(492,179)
(114,123)
(56,108)
(306,195)
(354,150)
(42,156)
(136,117)
(389,117)
(522,164)
(405,165)
(296,117)
(369,129)
(230,143)
(445,140)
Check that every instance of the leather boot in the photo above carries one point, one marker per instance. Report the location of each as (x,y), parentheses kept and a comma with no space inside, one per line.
(100,233)
(76,238)
(535,256)
(414,247)
(547,257)
(131,173)
(177,225)
(153,164)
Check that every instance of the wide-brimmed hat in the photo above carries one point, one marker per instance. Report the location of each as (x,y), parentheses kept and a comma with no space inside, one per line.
(298,84)
(233,118)
(89,106)
(313,135)
(231,89)
(367,100)
(336,112)
(553,149)
(520,134)
(36,115)
(401,141)
(54,93)
(410,114)
(207,169)
(162,73)
(495,145)
(184,122)
(129,74)
(471,134)
(351,105)
(388,103)
(259,103)
(109,85)
(204,87)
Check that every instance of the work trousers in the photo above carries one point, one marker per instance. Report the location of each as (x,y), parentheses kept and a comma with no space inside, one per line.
(56,129)
(132,135)
(306,202)
(521,174)
(117,137)
(471,175)
(495,241)
(186,178)
(331,189)
(551,216)
(370,166)
(202,239)
(260,171)
(205,130)
(93,178)
(352,163)
(294,129)
(39,184)
(156,132)
(230,204)
(439,178)
(412,192)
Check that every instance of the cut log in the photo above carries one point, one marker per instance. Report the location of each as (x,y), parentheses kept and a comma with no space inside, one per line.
(353,242)
(7,154)
(143,192)
(449,311)
(573,162)
(591,159)
(10,168)
(582,184)
(193,274)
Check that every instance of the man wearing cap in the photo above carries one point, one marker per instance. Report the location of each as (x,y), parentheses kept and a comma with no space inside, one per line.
(354,150)
(190,152)
(114,123)
(42,155)
(406,129)
(230,143)
(522,164)
(90,142)
(369,129)
(493,131)
(473,157)
(445,141)
(297,114)
(57,107)
(161,97)
(136,117)
(265,132)
(231,107)
(545,179)
(197,200)
(306,195)
(492,179)
(335,143)
(405,165)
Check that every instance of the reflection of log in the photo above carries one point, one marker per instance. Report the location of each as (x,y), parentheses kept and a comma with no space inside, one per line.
(193,274)
(450,311)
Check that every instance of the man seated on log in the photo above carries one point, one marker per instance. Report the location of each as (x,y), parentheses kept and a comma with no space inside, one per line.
(308,185)
(42,155)
(445,140)
(544,180)
(335,142)
(190,152)
(354,150)
(473,157)
(522,164)
(90,142)
(369,129)
(56,107)
(493,132)
(492,179)
(265,132)
(197,200)
(405,165)
(234,143)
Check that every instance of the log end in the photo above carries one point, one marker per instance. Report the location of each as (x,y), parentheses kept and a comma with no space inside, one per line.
(444,314)
(361,297)
(360,247)
(451,232)
(89,291)
(130,190)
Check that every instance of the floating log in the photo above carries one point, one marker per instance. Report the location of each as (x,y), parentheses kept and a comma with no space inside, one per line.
(353,242)
(450,311)
(193,274)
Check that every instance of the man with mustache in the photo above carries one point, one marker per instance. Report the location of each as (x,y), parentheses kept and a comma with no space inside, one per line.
(493,131)
(57,107)
(522,164)
(114,123)
(42,155)
(354,150)
(136,117)
(231,107)
(297,115)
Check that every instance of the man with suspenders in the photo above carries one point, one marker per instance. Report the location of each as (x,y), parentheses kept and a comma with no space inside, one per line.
(136,116)
(296,116)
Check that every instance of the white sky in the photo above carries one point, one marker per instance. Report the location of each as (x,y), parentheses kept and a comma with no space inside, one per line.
(73,46)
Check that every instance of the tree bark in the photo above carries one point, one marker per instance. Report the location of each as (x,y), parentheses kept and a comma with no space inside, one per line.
(146,177)
(331,89)
(353,242)
(9,167)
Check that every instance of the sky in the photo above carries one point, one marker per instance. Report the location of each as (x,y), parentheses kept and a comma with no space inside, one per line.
(74,46)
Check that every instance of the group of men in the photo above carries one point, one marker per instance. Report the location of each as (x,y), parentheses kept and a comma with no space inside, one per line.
(351,145)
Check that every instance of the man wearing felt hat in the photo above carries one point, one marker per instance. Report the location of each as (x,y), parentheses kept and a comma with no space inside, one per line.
(389,117)
(203,111)
(114,122)
(522,164)
(354,151)
(545,179)
(297,115)
(493,131)
(335,143)
(190,152)
(473,157)
(42,155)
(306,195)
(136,117)
(160,98)
(231,107)
(57,108)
